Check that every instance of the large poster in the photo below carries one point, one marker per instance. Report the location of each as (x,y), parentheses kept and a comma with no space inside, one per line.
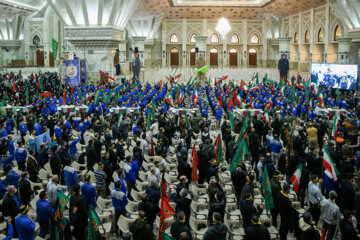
(73,72)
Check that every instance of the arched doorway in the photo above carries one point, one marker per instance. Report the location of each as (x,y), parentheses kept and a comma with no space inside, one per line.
(233,57)
(174,57)
(213,57)
(252,57)
(192,57)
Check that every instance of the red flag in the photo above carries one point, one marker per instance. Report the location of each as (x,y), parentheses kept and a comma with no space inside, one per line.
(217,142)
(298,79)
(64,98)
(38,84)
(46,94)
(231,103)
(14,88)
(178,76)
(160,84)
(323,234)
(166,211)
(220,100)
(32,76)
(251,103)
(152,151)
(169,79)
(194,176)
(103,75)
(242,83)
(164,187)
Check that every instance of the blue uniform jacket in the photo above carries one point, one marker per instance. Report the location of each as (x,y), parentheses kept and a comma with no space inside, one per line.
(70,176)
(89,193)
(119,200)
(43,211)
(25,227)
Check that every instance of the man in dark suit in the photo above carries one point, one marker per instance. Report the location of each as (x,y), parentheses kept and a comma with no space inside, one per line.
(25,189)
(81,216)
(91,155)
(283,66)
(136,64)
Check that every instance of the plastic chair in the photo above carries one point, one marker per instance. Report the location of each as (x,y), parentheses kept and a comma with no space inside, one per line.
(194,224)
(101,203)
(123,223)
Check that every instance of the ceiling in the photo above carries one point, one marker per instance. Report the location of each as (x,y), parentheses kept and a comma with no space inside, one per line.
(191,9)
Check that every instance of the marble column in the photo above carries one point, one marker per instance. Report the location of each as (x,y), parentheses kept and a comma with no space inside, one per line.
(344,45)
(284,47)
(201,45)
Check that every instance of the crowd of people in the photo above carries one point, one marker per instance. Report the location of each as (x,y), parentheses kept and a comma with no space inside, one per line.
(172,142)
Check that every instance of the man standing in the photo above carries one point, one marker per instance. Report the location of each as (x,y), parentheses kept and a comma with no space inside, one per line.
(81,216)
(119,202)
(331,215)
(43,214)
(218,230)
(100,178)
(136,65)
(24,225)
(200,62)
(286,212)
(88,191)
(283,66)
(51,190)
(70,176)
(25,189)
(62,71)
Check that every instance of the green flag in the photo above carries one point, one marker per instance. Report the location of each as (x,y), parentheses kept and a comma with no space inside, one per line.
(97,97)
(266,188)
(257,78)
(166,236)
(219,156)
(231,117)
(204,69)
(94,223)
(59,219)
(55,46)
(241,151)
(243,129)
(119,119)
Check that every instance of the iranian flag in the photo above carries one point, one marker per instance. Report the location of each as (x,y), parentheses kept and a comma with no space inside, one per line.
(321,99)
(238,100)
(329,166)
(270,104)
(334,131)
(119,120)
(266,116)
(315,89)
(255,88)
(181,97)
(295,179)
(282,91)
(245,87)
(169,101)
(195,97)
(250,112)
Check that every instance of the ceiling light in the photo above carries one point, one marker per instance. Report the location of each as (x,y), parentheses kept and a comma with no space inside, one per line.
(223,27)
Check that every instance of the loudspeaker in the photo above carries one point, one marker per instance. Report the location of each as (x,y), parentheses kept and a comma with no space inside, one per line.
(197,50)
(117,50)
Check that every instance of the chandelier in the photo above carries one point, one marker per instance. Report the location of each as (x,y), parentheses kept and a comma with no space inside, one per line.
(223,26)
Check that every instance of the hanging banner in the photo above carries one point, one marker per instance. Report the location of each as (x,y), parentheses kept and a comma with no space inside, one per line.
(55,46)
(73,72)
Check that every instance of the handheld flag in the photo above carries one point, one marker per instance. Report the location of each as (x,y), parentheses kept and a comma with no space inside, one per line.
(59,219)
(194,176)
(204,69)
(94,222)
(166,211)
(269,202)
(334,131)
(295,179)
(329,166)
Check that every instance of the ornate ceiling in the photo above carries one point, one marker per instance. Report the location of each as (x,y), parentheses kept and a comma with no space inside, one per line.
(236,9)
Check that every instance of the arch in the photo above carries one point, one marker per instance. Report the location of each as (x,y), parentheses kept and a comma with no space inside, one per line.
(214,38)
(296,38)
(254,39)
(233,50)
(174,50)
(337,32)
(193,50)
(192,38)
(36,40)
(213,50)
(192,56)
(307,37)
(174,38)
(320,35)
(252,50)
(214,57)
(233,57)
(234,38)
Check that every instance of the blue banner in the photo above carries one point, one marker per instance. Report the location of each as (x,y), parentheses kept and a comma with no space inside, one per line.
(73,72)
(43,138)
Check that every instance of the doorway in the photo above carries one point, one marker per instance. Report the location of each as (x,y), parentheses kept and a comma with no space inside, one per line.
(192,57)
(252,57)
(174,57)
(51,58)
(233,57)
(213,57)
(40,58)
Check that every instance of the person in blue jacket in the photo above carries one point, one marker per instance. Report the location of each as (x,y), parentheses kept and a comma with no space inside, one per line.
(72,147)
(45,112)
(88,192)
(3,190)
(119,202)
(11,146)
(20,156)
(10,229)
(8,125)
(38,128)
(43,213)
(58,130)
(32,142)
(23,131)
(70,176)
(24,225)
(130,176)
(12,178)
